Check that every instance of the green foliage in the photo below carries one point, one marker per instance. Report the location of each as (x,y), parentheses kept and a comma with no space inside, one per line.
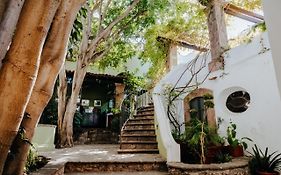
(124,35)
(231,137)
(78,119)
(264,161)
(222,157)
(50,113)
(181,20)
(133,83)
(115,110)
(34,161)
(120,52)
(115,127)
(248,5)
(193,131)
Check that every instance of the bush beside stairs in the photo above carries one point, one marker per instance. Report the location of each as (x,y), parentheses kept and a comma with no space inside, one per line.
(138,133)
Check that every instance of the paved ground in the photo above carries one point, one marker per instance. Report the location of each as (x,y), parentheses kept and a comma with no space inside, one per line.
(99,153)
(123,173)
(92,153)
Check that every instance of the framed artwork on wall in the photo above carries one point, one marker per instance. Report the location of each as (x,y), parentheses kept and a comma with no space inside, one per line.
(97,103)
(85,102)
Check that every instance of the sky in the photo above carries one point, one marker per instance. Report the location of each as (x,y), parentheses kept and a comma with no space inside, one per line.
(236,26)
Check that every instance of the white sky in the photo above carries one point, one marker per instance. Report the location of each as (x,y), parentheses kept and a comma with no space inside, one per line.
(235,27)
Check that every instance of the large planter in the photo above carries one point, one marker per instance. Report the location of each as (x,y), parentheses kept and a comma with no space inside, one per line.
(186,155)
(44,137)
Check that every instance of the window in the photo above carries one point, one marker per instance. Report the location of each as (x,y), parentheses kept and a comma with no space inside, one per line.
(238,101)
(197,108)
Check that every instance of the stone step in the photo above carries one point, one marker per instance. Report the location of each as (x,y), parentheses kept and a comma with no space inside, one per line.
(138,145)
(139,126)
(135,131)
(113,166)
(131,132)
(146,111)
(138,137)
(140,122)
(141,151)
(144,116)
(144,119)
(146,108)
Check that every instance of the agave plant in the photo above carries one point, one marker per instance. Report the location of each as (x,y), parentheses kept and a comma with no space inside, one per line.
(264,161)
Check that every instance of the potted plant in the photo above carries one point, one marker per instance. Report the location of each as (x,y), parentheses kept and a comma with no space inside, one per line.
(264,163)
(199,143)
(236,146)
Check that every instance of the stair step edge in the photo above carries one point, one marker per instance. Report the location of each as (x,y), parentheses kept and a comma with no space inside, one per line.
(138,150)
(138,142)
(137,129)
(138,135)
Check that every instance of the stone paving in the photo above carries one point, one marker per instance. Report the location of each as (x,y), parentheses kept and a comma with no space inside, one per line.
(98,153)
(123,173)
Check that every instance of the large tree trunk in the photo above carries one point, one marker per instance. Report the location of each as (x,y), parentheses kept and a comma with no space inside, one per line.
(52,59)
(3,4)
(8,25)
(19,71)
(66,129)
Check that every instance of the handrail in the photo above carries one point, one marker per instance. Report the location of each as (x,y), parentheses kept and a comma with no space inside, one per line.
(144,99)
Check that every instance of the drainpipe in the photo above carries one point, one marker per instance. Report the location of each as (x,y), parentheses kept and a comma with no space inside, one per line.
(217,33)
(272,13)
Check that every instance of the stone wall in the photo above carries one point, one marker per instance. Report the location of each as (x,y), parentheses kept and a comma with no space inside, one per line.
(235,167)
(95,136)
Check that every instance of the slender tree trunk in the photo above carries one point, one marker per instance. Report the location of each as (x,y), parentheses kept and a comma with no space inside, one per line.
(53,56)
(62,90)
(19,72)
(66,132)
(8,25)
(86,54)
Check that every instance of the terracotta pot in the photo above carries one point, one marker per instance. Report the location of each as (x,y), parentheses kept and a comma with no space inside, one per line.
(236,151)
(267,173)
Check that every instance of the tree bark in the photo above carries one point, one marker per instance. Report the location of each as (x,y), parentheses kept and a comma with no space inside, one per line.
(62,90)
(66,132)
(3,4)
(19,71)
(53,56)
(8,25)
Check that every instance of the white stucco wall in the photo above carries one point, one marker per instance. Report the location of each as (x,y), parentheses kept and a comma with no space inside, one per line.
(248,67)
(272,15)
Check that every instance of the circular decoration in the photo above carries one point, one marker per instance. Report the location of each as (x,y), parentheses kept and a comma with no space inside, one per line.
(238,101)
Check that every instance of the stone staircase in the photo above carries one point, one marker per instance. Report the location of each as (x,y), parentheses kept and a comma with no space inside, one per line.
(138,133)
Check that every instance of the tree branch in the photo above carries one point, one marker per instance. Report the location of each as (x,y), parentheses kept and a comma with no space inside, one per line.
(108,29)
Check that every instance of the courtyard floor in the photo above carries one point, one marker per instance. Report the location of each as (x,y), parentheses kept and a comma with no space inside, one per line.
(99,153)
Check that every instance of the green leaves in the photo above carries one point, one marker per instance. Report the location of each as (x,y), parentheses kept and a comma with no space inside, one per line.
(263,161)
(231,137)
